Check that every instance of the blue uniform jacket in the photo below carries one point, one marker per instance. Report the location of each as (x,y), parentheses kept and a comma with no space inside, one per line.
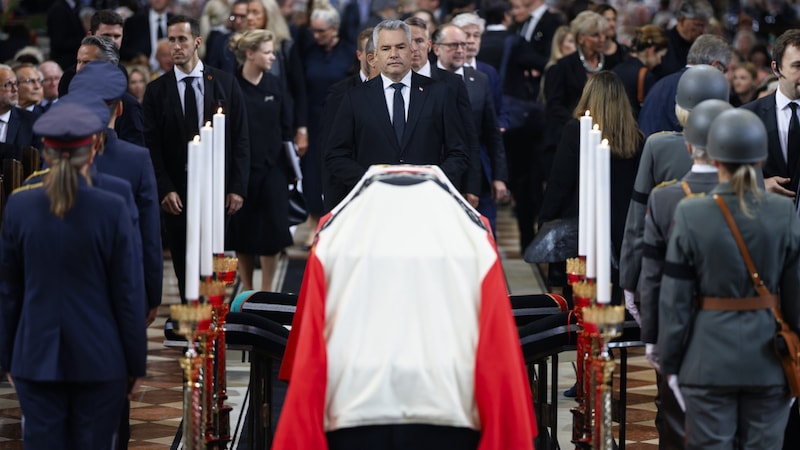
(132,163)
(71,297)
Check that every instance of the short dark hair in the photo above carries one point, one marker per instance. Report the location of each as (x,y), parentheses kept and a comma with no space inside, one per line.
(788,38)
(105,17)
(366,33)
(494,11)
(180,18)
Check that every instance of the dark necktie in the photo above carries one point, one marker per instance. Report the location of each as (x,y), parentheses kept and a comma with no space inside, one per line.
(160,32)
(190,109)
(793,144)
(399,112)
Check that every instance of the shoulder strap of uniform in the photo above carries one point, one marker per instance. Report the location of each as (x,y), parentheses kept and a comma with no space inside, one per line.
(38,173)
(27,187)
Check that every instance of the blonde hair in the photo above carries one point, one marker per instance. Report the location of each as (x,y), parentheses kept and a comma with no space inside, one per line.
(251,40)
(605,98)
(61,182)
(587,23)
(275,21)
(558,40)
(743,180)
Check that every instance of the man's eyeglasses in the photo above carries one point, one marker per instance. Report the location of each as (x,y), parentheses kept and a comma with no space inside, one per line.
(9,85)
(454,45)
(30,82)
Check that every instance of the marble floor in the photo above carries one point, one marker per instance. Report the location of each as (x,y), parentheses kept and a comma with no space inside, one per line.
(156,410)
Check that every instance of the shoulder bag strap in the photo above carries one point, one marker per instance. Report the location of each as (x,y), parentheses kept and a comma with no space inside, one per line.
(687,190)
(640,85)
(757,281)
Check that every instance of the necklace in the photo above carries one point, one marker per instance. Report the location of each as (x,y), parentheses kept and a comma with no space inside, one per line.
(586,65)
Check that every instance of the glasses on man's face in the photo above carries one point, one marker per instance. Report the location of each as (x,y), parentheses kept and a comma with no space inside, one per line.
(9,85)
(52,79)
(454,45)
(30,82)
(235,17)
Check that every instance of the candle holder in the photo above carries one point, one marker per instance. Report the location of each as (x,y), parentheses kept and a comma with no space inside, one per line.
(225,268)
(218,413)
(576,269)
(191,321)
(583,294)
(608,321)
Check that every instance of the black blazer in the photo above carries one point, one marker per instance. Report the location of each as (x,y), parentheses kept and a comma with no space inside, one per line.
(492,163)
(775,165)
(65,30)
(136,36)
(19,134)
(362,134)
(166,137)
(533,55)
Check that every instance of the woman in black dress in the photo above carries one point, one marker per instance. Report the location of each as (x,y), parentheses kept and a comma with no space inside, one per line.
(261,227)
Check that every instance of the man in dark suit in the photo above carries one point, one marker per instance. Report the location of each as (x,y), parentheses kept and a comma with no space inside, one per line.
(693,16)
(143,30)
(167,130)
(493,170)
(16,124)
(65,30)
(420,63)
(775,111)
(399,117)
(535,26)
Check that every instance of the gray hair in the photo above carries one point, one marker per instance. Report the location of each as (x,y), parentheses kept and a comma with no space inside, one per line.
(465,19)
(700,153)
(108,50)
(695,9)
(329,15)
(587,23)
(391,25)
(709,48)
(369,47)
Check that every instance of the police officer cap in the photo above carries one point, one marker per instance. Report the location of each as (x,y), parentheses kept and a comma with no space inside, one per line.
(71,124)
(696,129)
(737,136)
(101,78)
(701,82)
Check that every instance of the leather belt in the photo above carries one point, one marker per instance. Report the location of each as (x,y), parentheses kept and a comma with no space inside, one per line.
(738,304)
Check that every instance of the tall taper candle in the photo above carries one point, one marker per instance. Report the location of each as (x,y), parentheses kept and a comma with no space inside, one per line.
(218,176)
(586,126)
(206,227)
(603,202)
(192,203)
(591,207)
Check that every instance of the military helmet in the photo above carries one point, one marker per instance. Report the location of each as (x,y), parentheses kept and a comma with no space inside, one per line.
(701,82)
(696,129)
(737,136)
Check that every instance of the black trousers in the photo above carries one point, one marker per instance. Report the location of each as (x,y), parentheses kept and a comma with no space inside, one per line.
(175,227)
(403,437)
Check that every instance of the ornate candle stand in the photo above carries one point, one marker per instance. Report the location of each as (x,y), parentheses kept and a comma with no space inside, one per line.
(217,414)
(583,294)
(191,319)
(608,321)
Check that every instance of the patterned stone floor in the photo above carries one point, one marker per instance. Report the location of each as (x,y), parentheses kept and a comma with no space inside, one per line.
(156,411)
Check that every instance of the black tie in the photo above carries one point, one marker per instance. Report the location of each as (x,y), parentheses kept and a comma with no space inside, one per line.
(399,112)
(793,144)
(160,33)
(190,109)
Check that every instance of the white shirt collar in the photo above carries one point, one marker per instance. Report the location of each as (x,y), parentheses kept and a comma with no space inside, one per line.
(703,168)
(459,71)
(197,72)
(496,27)
(5,117)
(781,100)
(425,70)
(363,76)
(387,83)
(537,13)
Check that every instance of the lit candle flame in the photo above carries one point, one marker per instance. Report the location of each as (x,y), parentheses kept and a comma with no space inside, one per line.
(604,142)
(219,110)
(208,124)
(586,113)
(596,127)
(196,138)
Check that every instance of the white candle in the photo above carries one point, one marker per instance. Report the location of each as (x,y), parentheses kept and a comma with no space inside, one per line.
(206,253)
(603,201)
(586,126)
(218,183)
(591,205)
(192,203)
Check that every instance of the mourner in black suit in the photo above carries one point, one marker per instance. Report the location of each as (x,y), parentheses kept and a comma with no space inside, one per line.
(65,30)
(141,32)
(16,124)
(775,111)
(367,131)
(167,131)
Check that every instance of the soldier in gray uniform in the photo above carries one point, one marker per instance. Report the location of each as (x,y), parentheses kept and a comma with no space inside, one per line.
(664,158)
(716,334)
(657,226)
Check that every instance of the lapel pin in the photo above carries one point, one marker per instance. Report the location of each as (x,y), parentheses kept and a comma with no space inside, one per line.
(471,79)
(420,88)
(209,77)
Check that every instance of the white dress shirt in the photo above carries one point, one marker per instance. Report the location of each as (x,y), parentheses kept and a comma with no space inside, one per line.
(4,118)
(198,84)
(784,114)
(388,91)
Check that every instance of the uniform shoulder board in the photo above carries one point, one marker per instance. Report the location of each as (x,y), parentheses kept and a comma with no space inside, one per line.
(27,187)
(696,195)
(38,173)
(665,132)
(665,184)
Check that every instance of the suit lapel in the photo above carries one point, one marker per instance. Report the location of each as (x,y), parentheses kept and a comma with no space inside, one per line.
(770,119)
(419,94)
(473,90)
(13,127)
(209,94)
